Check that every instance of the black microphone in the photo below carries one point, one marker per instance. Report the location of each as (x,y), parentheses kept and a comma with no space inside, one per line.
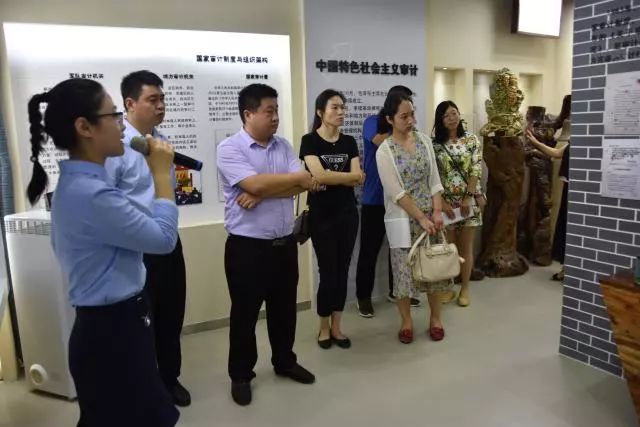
(141,145)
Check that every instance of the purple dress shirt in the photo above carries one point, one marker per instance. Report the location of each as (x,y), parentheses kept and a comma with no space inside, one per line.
(239,157)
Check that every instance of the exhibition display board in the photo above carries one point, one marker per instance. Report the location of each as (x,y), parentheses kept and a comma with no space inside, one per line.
(203,72)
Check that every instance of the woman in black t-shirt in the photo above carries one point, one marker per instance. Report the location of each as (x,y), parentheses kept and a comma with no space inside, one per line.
(332,158)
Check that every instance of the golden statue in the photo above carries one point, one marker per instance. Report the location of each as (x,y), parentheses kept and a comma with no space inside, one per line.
(503,109)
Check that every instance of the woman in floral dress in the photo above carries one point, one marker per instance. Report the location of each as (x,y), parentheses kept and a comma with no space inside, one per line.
(459,157)
(409,176)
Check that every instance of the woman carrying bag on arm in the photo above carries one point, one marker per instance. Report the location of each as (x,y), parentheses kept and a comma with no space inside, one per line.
(413,205)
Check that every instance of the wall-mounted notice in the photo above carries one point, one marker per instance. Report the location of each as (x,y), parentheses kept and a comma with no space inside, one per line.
(203,72)
(621,168)
(622,104)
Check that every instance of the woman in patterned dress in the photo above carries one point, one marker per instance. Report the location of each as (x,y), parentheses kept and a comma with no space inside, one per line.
(459,157)
(409,176)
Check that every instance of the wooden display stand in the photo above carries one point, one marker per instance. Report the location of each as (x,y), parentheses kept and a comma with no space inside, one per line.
(622,298)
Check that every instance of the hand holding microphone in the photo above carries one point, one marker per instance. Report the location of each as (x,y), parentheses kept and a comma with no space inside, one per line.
(160,156)
(141,145)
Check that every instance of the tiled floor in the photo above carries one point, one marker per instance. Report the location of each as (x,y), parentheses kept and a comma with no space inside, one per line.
(498,366)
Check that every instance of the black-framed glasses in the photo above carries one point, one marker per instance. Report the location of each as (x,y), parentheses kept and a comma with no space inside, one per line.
(118,115)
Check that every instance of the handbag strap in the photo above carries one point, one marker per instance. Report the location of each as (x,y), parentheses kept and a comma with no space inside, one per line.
(455,164)
(457,167)
(297,212)
(416,245)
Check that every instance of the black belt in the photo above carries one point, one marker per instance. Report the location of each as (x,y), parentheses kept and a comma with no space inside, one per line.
(282,241)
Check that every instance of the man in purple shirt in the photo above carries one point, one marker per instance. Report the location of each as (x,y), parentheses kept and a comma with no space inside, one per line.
(260,175)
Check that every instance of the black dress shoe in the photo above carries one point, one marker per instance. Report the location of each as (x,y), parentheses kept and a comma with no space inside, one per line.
(180,395)
(297,373)
(325,344)
(342,343)
(241,392)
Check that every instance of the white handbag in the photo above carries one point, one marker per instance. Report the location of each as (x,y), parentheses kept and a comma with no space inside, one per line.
(433,263)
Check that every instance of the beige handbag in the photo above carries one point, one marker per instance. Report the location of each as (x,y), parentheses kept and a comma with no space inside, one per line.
(433,263)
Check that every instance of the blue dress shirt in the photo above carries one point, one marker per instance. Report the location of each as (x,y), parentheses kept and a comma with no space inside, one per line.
(99,236)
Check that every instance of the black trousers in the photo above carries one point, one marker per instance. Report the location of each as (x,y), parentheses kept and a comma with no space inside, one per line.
(113,364)
(261,271)
(372,233)
(333,236)
(167,288)
(560,236)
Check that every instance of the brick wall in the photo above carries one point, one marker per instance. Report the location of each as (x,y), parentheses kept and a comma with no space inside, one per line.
(603,233)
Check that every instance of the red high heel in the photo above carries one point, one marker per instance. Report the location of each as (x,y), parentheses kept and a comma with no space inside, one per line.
(436,334)
(405,336)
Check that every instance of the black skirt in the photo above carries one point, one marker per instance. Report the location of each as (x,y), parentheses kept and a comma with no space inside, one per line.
(113,364)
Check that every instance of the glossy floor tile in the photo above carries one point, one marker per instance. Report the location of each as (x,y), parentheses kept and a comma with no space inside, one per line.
(498,366)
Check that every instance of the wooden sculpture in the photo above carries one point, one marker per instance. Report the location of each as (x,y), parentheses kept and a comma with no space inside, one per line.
(535,230)
(504,155)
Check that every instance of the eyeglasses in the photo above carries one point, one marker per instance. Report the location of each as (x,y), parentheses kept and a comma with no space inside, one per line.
(118,116)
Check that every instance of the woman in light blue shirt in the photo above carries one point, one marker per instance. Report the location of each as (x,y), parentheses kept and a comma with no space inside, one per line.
(99,237)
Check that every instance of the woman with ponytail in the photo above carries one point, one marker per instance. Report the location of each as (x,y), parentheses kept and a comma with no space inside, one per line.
(39,180)
(99,237)
(333,160)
